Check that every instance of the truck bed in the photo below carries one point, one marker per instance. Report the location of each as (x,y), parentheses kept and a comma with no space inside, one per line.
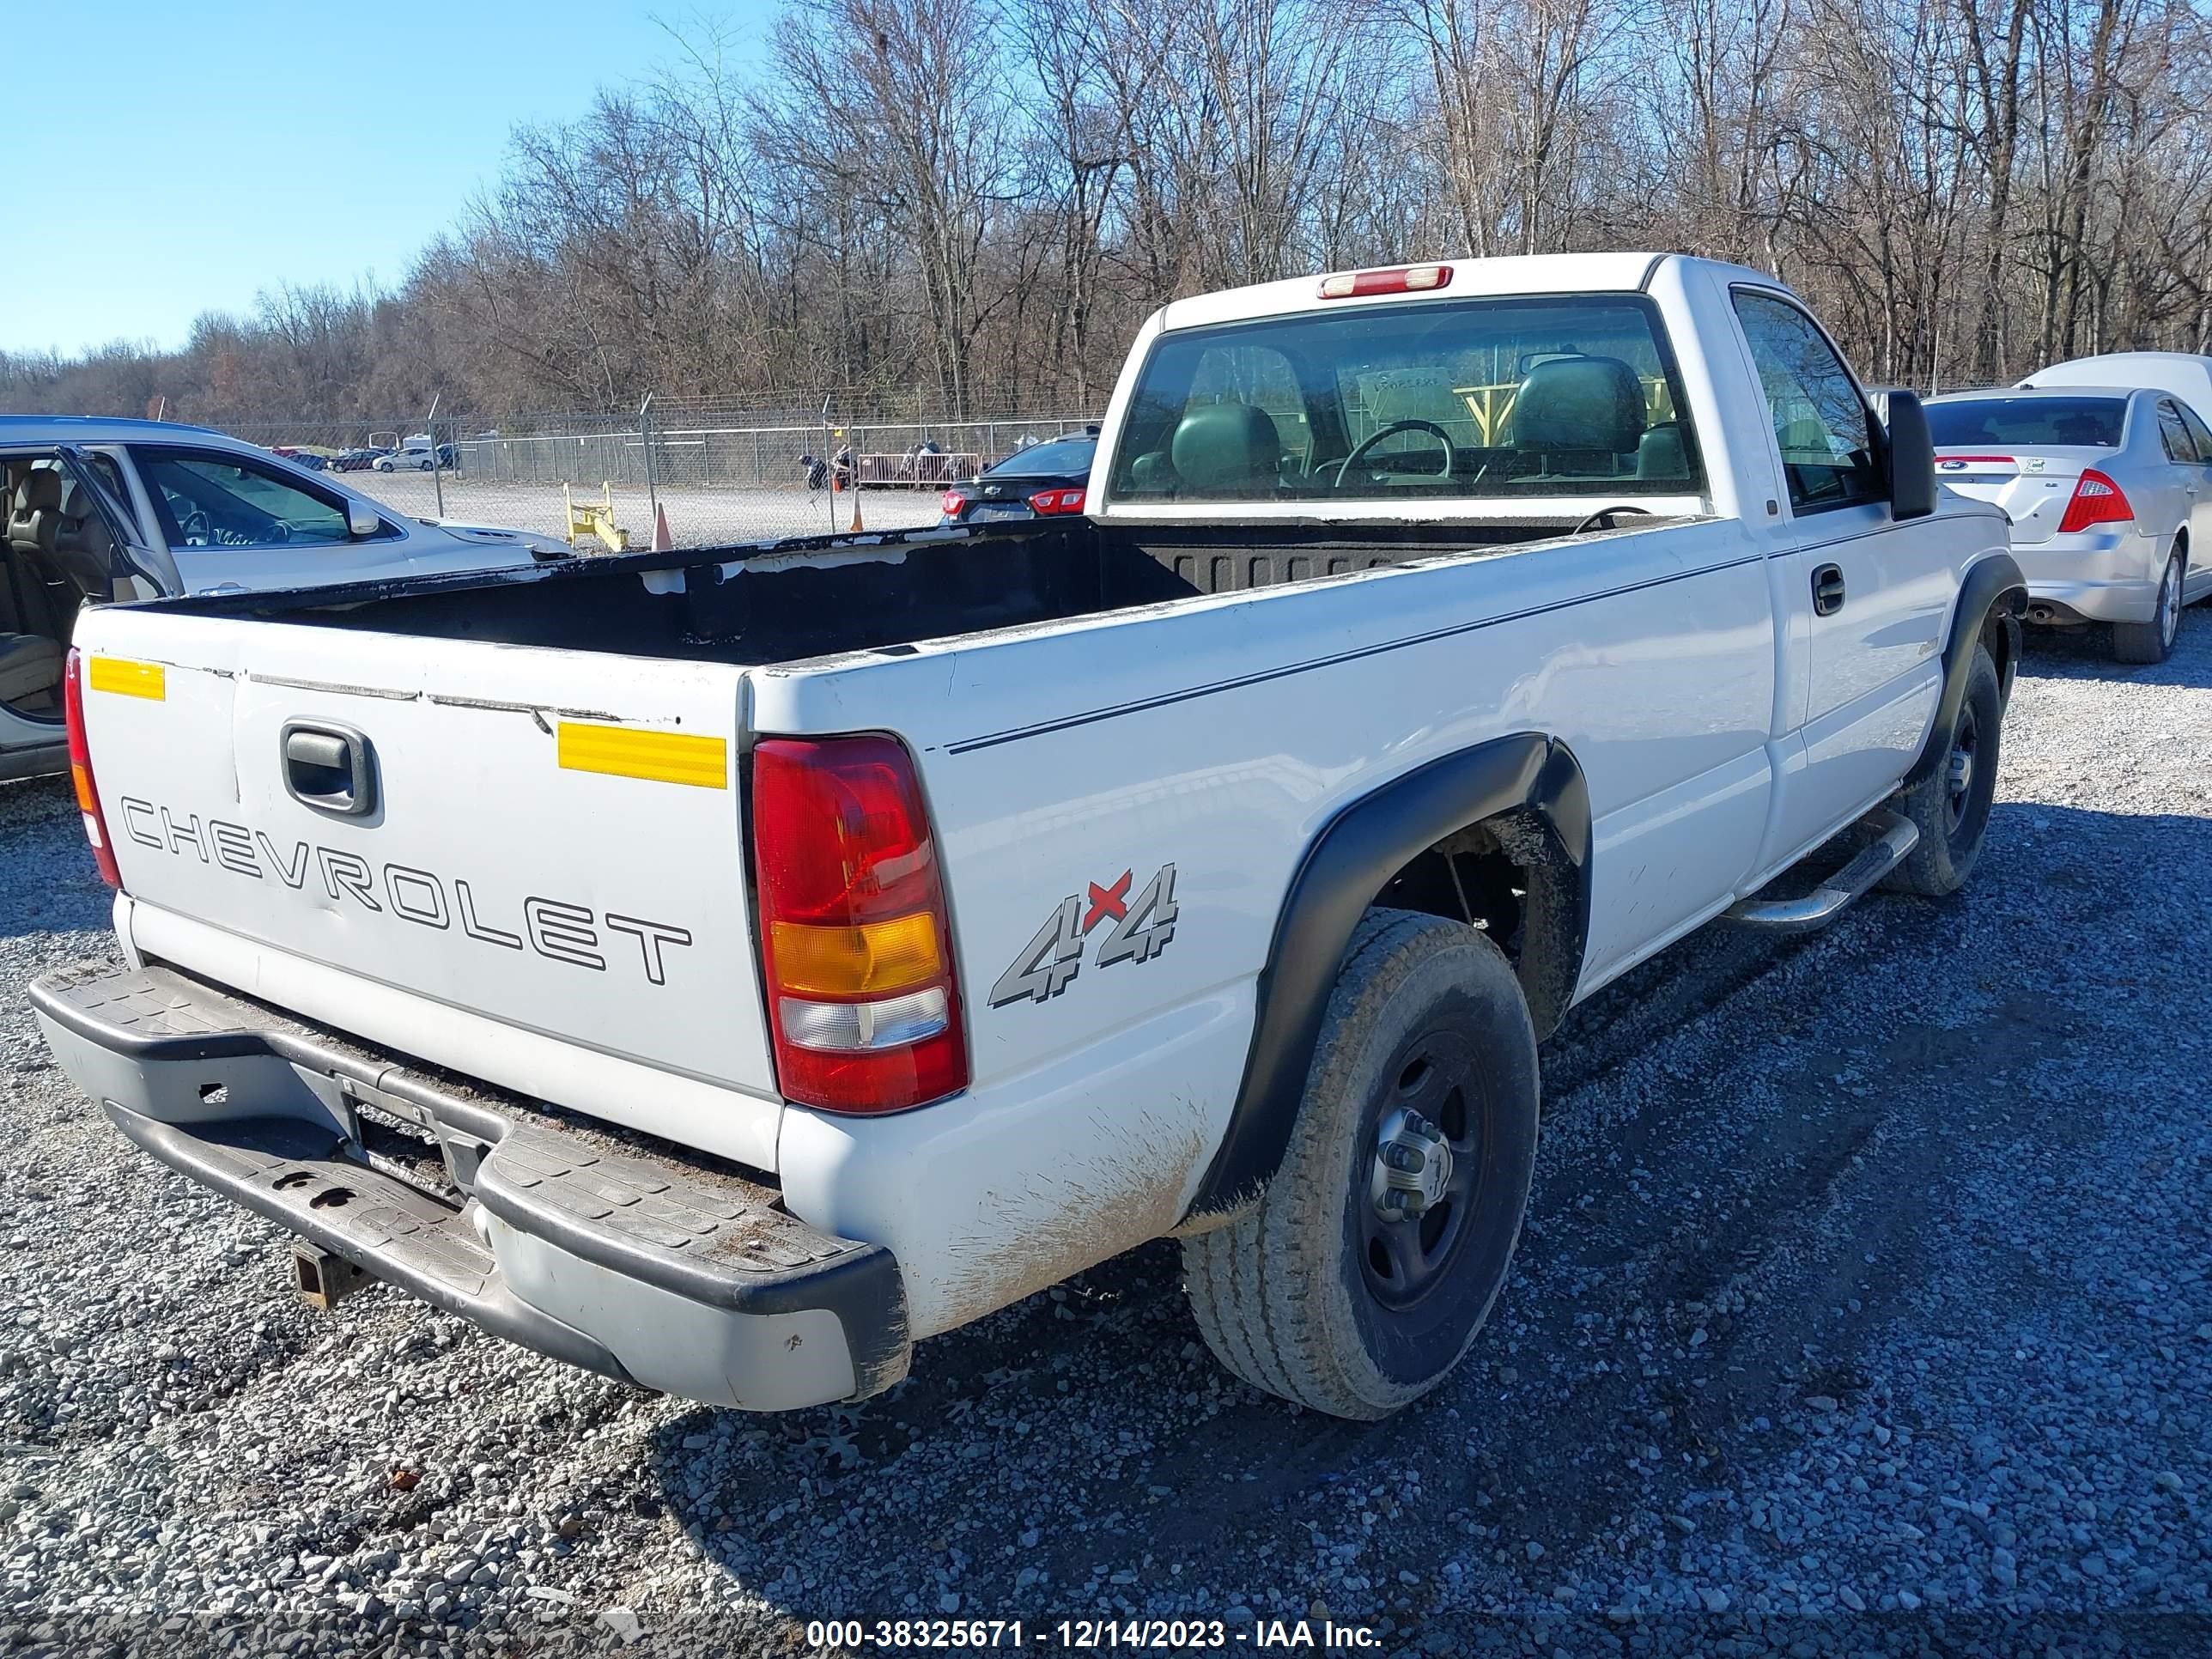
(839,594)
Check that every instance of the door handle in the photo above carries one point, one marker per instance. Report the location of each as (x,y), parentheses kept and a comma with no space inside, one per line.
(1827,590)
(331,769)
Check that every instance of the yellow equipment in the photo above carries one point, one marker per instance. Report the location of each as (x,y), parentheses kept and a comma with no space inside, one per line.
(596,519)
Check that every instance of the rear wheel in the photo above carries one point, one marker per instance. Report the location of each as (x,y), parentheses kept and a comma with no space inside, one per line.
(2153,641)
(1360,1277)
(1950,806)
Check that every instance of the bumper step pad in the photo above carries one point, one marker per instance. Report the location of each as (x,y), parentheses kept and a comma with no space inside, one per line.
(699,1230)
(295,1173)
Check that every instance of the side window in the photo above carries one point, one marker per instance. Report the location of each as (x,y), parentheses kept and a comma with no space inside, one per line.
(2199,433)
(206,499)
(2179,446)
(1821,425)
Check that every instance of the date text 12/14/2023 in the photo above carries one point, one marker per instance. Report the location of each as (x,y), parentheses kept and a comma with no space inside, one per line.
(1090,1635)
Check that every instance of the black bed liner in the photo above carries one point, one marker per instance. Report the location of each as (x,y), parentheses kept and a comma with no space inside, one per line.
(818,596)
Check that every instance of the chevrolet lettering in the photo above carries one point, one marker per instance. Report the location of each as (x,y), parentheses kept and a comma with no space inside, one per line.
(557,931)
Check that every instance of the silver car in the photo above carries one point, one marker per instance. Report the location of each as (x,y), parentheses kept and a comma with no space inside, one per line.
(2109,490)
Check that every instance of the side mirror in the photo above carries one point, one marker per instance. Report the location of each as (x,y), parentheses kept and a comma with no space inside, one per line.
(362,519)
(1912,455)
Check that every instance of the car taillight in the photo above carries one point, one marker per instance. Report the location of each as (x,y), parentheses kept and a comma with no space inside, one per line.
(2097,499)
(1052,502)
(952,503)
(1400,279)
(80,763)
(854,939)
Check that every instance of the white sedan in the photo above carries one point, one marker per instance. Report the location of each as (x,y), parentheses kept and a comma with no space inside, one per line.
(2109,491)
(98,509)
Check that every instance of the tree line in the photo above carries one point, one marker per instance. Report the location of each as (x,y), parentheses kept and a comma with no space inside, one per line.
(971,204)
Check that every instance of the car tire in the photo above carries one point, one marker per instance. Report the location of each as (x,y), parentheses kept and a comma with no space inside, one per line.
(383,466)
(2153,641)
(1950,806)
(1329,1290)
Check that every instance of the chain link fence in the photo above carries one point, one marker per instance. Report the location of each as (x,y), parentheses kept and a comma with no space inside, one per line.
(717,472)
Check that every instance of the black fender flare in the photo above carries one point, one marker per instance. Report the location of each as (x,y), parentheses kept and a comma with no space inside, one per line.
(1993,585)
(1346,865)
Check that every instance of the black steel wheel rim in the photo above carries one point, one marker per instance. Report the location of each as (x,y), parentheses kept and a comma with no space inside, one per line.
(1965,741)
(1402,1258)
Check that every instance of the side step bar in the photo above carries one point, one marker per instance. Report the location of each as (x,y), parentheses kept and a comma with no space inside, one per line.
(1898,836)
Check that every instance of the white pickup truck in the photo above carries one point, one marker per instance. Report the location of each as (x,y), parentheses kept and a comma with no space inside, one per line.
(724,969)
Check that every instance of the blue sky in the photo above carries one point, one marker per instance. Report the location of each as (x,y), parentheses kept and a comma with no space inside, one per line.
(189,153)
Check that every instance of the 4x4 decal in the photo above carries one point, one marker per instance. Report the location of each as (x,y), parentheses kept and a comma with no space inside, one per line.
(1142,927)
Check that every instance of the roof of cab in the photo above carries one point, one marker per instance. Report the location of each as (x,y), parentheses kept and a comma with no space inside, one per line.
(1534,273)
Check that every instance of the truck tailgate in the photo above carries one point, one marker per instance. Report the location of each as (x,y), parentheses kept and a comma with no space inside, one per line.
(550,839)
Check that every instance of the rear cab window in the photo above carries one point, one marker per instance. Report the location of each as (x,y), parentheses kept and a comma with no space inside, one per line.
(1573,395)
(2059,423)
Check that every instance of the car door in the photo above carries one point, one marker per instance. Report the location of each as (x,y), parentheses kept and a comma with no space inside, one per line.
(2188,446)
(1869,593)
(140,569)
(233,523)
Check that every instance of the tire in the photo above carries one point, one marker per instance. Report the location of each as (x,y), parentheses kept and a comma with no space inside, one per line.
(1301,1295)
(1953,819)
(2153,641)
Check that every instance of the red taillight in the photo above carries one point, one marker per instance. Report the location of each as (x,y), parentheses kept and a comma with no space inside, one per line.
(952,503)
(80,763)
(1053,502)
(1400,279)
(2097,499)
(857,947)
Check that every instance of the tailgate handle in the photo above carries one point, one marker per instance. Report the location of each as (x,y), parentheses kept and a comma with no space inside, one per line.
(329,767)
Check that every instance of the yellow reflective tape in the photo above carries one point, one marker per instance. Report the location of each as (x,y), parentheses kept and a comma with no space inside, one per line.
(126,678)
(663,757)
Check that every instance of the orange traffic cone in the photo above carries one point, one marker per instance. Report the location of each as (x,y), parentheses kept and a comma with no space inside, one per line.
(856,511)
(662,541)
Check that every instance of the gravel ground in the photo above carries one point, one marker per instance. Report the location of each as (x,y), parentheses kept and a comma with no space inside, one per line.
(1864,1309)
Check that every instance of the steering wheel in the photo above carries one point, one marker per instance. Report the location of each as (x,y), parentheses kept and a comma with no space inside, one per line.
(1451,450)
(197,528)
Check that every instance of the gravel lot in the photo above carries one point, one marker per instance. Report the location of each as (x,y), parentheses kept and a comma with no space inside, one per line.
(1865,1309)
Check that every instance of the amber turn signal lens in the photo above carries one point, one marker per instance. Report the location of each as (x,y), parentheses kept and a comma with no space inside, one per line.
(868,959)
